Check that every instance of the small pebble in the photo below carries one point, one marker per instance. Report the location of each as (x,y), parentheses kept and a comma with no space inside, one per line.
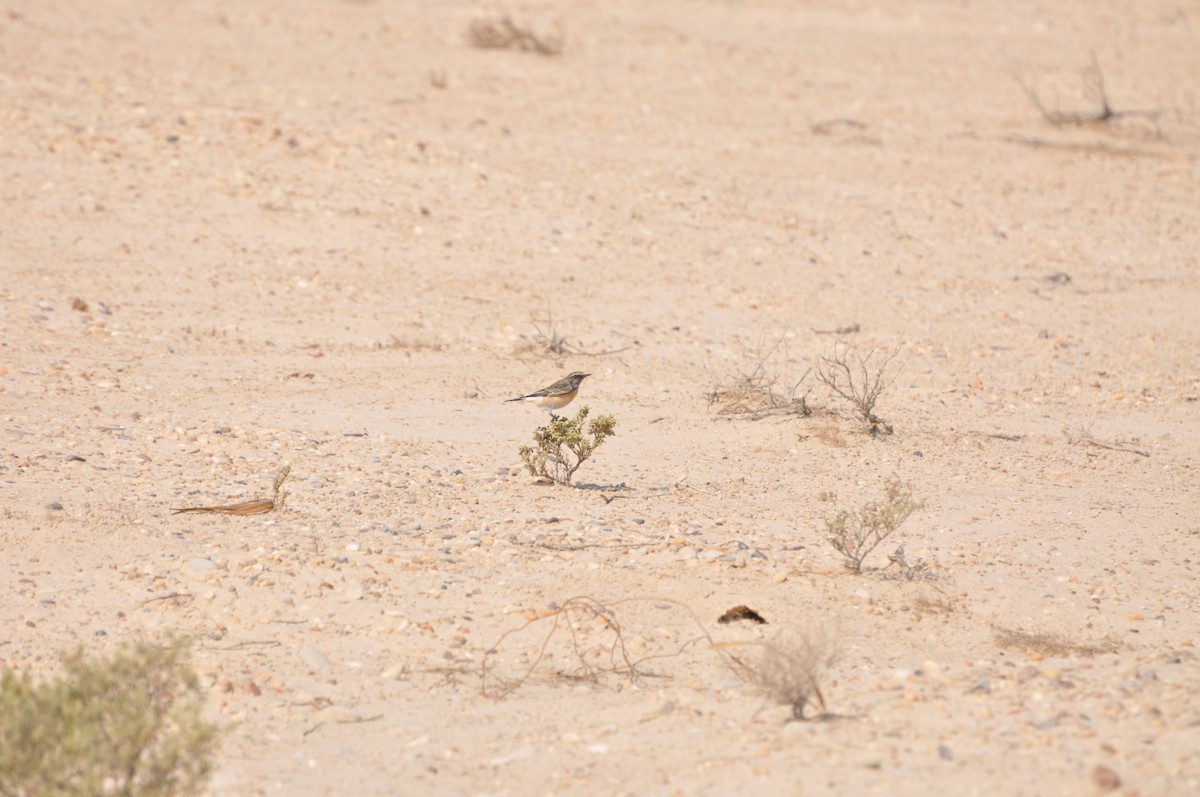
(1027,673)
(1105,778)
(313,657)
(54,505)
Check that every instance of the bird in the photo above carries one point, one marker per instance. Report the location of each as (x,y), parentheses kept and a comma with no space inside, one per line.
(558,395)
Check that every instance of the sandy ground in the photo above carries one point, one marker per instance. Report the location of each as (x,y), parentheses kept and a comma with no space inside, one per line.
(320,233)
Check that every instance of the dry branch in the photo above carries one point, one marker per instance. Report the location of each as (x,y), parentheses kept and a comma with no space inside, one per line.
(854,377)
(752,394)
(502,33)
(1104,114)
(1082,435)
(256,506)
(571,617)
(557,344)
(788,669)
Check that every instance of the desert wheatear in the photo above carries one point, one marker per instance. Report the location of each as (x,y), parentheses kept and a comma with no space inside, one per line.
(558,395)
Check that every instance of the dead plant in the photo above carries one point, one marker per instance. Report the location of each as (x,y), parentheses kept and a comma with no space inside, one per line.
(788,669)
(550,339)
(500,32)
(582,619)
(859,379)
(1095,89)
(753,392)
(256,506)
(1082,435)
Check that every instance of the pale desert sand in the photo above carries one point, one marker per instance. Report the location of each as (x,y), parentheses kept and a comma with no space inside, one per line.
(319,233)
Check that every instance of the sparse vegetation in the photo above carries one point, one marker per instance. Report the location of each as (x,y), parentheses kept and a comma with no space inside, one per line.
(1049,644)
(1082,435)
(914,571)
(594,640)
(551,340)
(859,379)
(754,393)
(126,725)
(256,506)
(788,670)
(1097,93)
(500,32)
(550,337)
(854,534)
(560,448)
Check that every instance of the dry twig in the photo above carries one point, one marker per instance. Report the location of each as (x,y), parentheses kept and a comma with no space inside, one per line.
(557,344)
(855,378)
(256,506)
(353,721)
(751,394)
(789,668)
(571,617)
(502,33)
(1099,94)
(1082,435)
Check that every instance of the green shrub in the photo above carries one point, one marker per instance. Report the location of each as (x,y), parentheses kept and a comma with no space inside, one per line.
(125,725)
(560,448)
(855,534)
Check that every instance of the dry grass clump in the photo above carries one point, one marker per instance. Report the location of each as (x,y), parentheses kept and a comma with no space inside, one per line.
(549,339)
(500,32)
(1053,644)
(755,392)
(788,670)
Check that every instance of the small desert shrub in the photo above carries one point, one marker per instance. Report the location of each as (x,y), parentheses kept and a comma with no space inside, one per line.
(788,668)
(560,448)
(753,391)
(126,725)
(859,379)
(855,534)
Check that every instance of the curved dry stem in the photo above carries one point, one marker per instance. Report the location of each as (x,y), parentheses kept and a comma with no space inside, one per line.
(619,657)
